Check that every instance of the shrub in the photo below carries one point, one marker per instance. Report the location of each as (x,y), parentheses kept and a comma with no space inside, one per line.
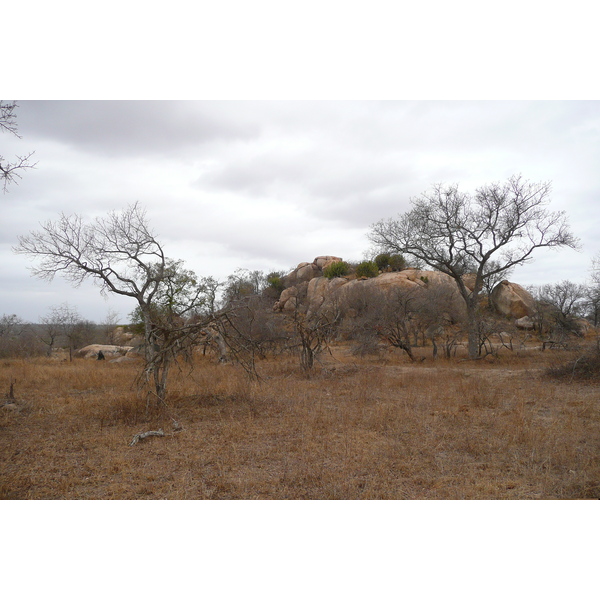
(585,368)
(397,262)
(367,268)
(382,261)
(336,269)
(275,280)
(394,262)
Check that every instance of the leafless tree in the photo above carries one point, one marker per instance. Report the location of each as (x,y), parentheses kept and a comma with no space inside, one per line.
(313,334)
(12,328)
(123,256)
(592,294)
(250,329)
(458,233)
(559,307)
(243,283)
(64,323)
(566,296)
(10,325)
(396,317)
(109,326)
(9,171)
(592,304)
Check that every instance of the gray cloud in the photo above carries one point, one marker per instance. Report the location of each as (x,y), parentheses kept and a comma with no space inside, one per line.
(129,128)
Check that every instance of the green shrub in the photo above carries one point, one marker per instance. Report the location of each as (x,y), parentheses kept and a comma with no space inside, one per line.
(336,269)
(367,268)
(382,261)
(275,285)
(275,280)
(395,262)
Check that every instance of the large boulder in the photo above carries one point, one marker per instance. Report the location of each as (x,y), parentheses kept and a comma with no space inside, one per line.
(107,350)
(341,289)
(288,300)
(322,262)
(303,273)
(511,300)
(526,323)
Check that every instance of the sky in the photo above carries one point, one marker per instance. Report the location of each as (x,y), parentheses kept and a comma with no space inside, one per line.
(265,185)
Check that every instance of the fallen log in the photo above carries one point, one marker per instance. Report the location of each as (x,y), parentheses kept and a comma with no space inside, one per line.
(142,436)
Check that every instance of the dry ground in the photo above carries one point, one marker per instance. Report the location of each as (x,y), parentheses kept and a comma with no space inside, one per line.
(357,429)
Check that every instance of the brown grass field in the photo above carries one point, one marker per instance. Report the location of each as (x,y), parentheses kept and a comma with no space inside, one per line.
(357,429)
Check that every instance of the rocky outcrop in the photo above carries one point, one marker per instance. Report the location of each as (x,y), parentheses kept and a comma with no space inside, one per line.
(304,272)
(511,300)
(318,290)
(108,351)
(296,283)
(305,286)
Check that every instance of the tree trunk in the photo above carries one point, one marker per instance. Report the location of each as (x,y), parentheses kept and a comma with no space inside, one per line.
(406,347)
(473,329)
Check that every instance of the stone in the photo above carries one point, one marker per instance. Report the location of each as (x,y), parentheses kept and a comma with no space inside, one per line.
(123,359)
(306,273)
(525,323)
(323,262)
(109,351)
(511,300)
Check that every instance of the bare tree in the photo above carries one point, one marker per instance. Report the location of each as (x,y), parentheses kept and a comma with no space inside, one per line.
(243,283)
(12,328)
(396,317)
(440,317)
(312,334)
(559,307)
(592,294)
(123,256)
(10,325)
(64,323)
(458,233)
(11,170)
(109,326)
(567,297)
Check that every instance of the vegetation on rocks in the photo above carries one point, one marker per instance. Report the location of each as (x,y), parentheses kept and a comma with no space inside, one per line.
(367,268)
(336,269)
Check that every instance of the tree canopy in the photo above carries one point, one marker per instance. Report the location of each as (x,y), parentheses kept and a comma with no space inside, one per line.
(486,233)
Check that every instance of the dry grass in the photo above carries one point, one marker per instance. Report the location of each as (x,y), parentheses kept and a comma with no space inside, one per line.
(358,429)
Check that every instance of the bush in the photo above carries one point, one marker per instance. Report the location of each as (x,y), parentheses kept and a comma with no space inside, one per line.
(336,269)
(275,285)
(367,268)
(382,261)
(585,368)
(395,262)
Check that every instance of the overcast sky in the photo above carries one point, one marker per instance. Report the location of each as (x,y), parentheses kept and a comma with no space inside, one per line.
(266,185)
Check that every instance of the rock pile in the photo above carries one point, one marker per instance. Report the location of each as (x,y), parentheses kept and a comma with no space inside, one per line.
(307,286)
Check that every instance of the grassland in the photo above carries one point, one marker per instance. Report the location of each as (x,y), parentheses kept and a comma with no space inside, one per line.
(359,428)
